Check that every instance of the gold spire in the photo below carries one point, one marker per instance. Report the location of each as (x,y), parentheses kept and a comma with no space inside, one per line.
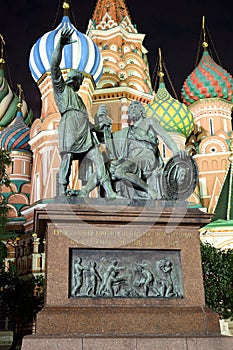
(20,102)
(2,61)
(66,7)
(160,72)
(204,43)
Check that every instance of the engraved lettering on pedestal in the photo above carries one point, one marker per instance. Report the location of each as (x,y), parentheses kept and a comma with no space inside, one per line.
(126,273)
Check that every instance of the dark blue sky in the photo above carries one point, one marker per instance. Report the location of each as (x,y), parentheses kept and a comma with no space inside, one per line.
(173,26)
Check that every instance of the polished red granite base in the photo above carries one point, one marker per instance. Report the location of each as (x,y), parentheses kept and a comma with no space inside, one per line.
(127,343)
(123,323)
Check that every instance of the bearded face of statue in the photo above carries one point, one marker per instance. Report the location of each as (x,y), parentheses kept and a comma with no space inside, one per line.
(74,79)
(135,113)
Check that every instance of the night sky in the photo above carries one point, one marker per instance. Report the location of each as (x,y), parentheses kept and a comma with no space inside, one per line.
(173,26)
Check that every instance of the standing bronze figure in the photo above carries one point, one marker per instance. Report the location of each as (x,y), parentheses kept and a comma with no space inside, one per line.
(76,138)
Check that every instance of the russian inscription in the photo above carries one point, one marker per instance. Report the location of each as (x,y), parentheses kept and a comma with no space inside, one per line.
(111,237)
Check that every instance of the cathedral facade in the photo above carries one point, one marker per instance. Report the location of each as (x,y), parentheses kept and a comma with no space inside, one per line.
(114,62)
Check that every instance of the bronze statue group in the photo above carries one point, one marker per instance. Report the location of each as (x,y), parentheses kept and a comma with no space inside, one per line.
(131,166)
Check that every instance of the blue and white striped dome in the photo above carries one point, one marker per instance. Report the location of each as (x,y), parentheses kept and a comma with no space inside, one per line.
(83,55)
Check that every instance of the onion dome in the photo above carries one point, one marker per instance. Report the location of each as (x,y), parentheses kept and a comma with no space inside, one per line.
(208,79)
(172,115)
(83,54)
(9,100)
(16,136)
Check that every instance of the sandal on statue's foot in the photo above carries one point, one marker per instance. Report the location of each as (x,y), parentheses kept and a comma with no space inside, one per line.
(73,193)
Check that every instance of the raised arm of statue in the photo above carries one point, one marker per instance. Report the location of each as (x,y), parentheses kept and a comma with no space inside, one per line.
(56,75)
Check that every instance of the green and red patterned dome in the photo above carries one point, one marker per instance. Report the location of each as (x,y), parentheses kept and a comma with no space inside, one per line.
(172,115)
(16,136)
(8,103)
(207,80)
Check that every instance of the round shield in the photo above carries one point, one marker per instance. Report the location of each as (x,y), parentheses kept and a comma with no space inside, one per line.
(179,177)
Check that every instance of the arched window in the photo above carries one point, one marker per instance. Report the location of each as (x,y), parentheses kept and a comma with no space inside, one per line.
(12,167)
(203,187)
(164,151)
(23,168)
(37,187)
(211,126)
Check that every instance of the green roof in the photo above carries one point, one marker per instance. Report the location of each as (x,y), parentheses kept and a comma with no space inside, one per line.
(224,207)
(19,183)
(218,225)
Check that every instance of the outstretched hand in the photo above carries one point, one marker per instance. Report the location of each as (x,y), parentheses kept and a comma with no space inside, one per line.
(66,35)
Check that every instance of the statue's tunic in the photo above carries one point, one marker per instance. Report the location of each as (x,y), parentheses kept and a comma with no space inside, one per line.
(75,135)
(130,147)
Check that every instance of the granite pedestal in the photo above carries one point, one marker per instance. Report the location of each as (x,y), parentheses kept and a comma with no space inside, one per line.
(180,321)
